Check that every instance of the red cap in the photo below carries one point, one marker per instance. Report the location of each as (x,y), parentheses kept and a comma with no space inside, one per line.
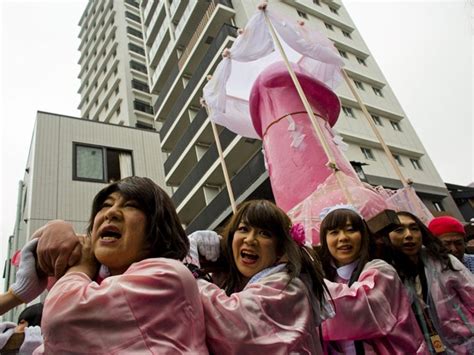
(444,225)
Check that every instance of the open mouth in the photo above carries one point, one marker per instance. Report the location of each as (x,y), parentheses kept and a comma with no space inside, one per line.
(409,245)
(248,256)
(110,233)
(345,248)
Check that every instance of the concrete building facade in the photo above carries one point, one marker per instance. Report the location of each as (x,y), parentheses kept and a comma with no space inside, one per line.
(183,43)
(70,160)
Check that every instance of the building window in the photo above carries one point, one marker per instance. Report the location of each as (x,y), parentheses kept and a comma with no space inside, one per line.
(329,26)
(367,153)
(144,125)
(316,2)
(302,14)
(398,159)
(348,111)
(139,85)
(377,120)
(396,126)
(116,90)
(361,61)
(137,66)
(134,32)
(136,49)
(438,206)
(142,106)
(416,164)
(346,34)
(377,91)
(333,10)
(118,111)
(359,84)
(132,16)
(342,53)
(101,164)
(134,3)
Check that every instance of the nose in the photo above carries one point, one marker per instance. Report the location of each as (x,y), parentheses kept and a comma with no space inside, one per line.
(342,236)
(250,238)
(113,212)
(408,233)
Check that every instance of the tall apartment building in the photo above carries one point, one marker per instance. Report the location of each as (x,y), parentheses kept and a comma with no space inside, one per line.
(183,43)
(114,83)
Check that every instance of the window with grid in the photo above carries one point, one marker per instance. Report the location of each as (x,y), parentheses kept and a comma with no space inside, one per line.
(396,126)
(101,164)
(368,154)
(377,120)
(359,84)
(302,14)
(361,61)
(349,112)
(342,53)
(398,159)
(416,164)
(377,91)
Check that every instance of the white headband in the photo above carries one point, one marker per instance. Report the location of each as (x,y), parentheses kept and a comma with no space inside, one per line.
(327,210)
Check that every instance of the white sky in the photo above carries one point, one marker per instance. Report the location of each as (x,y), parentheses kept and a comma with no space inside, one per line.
(424,48)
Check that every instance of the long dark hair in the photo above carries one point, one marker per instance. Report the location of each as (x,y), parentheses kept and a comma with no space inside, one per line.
(338,219)
(165,236)
(267,216)
(433,246)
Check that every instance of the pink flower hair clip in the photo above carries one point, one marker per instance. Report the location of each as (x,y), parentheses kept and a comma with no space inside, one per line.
(297,233)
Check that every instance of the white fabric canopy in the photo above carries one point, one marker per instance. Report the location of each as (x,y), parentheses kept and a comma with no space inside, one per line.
(227,93)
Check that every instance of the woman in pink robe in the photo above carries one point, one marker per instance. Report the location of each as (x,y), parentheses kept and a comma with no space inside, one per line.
(441,288)
(150,302)
(274,297)
(373,313)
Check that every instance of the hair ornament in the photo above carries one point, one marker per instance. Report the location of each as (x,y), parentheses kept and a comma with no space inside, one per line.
(327,210)
(297,233)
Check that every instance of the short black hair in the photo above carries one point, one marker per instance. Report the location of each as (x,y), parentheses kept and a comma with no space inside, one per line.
(32,315)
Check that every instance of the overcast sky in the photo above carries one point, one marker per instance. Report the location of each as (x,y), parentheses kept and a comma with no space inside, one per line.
(424,48)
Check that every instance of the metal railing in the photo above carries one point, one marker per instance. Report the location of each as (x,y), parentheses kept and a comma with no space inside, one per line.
(225,31)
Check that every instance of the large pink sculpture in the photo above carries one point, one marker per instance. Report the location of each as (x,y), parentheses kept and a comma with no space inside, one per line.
(302,183)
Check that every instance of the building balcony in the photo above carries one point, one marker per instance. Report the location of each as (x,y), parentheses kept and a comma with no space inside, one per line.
(208,171)
(162,40)
(198,25)
(250,182)
(155,25)
(169,138)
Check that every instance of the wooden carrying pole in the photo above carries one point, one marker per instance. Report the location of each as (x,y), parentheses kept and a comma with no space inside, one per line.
(222,160)
(331,160)
(367,115)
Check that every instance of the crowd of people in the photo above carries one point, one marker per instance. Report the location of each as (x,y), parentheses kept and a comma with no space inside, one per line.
(137,284)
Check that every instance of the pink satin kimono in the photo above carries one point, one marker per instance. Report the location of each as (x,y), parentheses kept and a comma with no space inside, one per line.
(376,310)
(452,296)
(266,317)
(152,308)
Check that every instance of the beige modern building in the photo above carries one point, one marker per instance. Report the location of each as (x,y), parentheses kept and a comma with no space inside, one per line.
(183,43)
(70,160)
(114,83)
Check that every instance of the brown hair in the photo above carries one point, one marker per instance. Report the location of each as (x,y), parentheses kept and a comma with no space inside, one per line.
(267,216)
